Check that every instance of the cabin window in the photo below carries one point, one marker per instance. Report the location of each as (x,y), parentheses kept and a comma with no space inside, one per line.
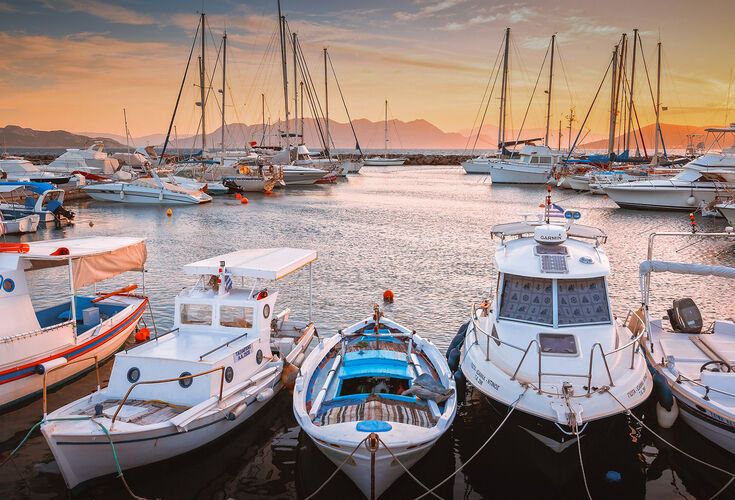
(527,299)
(196,314)
(583,302)
(373,385)
(544,159)
(534,159)
(236,316)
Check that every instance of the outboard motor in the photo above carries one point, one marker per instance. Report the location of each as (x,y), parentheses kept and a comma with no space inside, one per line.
(685,316)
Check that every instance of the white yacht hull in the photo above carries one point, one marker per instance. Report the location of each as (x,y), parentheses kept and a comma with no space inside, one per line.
(136,195)
(728,212)
(671,195)
(384,162)
(476,167)
(503,172)
(350,167)
(302,177)
(578,182)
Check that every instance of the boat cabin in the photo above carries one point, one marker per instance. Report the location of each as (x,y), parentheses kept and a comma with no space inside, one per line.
(39,198)
(538,155)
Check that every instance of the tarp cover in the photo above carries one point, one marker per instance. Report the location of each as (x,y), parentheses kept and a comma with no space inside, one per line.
(660,266)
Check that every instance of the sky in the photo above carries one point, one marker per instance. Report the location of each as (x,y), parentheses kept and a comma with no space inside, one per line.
(75,64)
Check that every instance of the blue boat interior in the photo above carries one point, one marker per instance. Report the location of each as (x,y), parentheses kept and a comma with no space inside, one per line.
(61,313)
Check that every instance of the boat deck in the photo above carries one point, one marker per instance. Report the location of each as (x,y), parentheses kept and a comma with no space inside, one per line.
(138,412)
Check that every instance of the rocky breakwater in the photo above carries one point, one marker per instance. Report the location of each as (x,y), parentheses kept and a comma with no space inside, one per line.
(423,158)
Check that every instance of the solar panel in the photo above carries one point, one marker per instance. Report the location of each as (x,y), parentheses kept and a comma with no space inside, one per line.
(551,250)
(554,264)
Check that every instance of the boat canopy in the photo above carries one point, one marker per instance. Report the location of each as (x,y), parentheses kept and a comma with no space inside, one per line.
(528,228)
(36,187)
(93,259)
(264,263)
(660,266)
(4,188)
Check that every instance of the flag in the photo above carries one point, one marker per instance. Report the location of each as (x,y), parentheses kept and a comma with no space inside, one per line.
(556,211)
(228,282)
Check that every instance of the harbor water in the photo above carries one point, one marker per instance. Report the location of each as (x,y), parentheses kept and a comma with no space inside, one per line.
(424,233)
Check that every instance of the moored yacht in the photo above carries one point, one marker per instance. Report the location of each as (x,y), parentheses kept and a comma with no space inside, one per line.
(93,160)
(701,181)
(227,355)
(20,169)
(146,191)
(533,166)
(727,210)
(548,344)
(372,395)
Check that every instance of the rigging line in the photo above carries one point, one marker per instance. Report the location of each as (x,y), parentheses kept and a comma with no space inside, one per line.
(487,105)
(178,98)
(533,93)
(395,127)
(727,99)
(339,88)
(482,101)
(564,71)
(589,110)
(313,99)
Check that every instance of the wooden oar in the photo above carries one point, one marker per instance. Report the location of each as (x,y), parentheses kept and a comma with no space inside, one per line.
(120,291)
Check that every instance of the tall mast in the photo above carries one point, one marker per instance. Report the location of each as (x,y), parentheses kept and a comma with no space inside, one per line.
(613,100)
(548,97)
(632,86)
(326,103)
(282,28)
(201,86)
(262,110)
(127,134)
(503,92)
(385,129)
(622,59)
(658,99)
(558,144)
(301,86)
(295,93)
(224,91)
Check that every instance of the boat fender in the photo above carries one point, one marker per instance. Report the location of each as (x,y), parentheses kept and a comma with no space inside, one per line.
(237,411)
(265,395)
(288,376)
(663,393)
(461,383)
(458,339)
(42,368)
(666,418)
(453,359)
(691,201)
(262,294)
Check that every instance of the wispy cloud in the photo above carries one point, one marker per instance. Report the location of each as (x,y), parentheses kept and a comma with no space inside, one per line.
(103,10)
(6,7)
(428,9)
(508,14)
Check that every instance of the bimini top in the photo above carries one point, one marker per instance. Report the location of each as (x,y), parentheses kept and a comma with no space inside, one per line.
(263,263)
(36,187)
(93,259)
(10,188)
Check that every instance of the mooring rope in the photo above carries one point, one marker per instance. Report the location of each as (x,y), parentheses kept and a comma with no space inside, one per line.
(728,473)
(575,431)
(405,469)
(336,470)
(450,476)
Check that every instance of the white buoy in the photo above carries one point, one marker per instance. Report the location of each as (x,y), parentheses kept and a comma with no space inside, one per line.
(691,201)
(666,418)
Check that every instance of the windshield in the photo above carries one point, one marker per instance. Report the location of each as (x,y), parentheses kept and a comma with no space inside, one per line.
(583,302)
(527,299)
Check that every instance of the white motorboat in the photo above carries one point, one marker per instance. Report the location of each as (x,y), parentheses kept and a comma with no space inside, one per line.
(211,188)
(47,347)
(351,166)
(375,391)
(479,165)
(20,169)
(21,199)
(227,355)
(728,211)
(548,345)
(702,180)
(92,160)
(693,366)
(146,190)
(294,175)
(533,166)
(11,225)
(384,161)
(578,182)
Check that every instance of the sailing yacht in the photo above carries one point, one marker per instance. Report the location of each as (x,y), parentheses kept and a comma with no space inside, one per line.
(701,181)
(93,160)
(384,161)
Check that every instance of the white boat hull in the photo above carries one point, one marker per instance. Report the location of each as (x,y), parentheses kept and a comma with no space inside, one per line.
(728,212)
(27,224)
(137,195)
(384,162)
(476,167)
(308,177)
(505,172)
(578,182)
(671,195)
(350,167)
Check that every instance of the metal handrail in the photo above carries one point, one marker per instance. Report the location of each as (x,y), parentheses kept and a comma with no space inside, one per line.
(222,345)
(221,369)
(525,351)
(46,372)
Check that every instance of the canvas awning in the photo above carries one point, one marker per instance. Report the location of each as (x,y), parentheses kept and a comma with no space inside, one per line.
(263,263)
(93,259)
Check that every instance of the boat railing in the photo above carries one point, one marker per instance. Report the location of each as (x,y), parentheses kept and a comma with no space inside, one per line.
(540,373)
(683,378)
(226,344)
(153,339)
(74,361)
(221,369)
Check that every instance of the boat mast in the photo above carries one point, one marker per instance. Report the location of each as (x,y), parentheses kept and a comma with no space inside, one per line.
(201,86)
(326,104)
(127,134)
(503,92)
(385,128)
(224,86)
(558,145)
(548,97)
(620,90)
(282,28)
(632,86)
(301,85)
(658,100)
(295,94)
(262,110)
(613,100)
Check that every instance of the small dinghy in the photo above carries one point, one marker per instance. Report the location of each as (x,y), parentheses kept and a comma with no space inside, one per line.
(226,357)
(375,394)
(693,366)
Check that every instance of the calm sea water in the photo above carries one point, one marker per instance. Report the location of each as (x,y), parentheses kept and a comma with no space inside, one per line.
(422,232)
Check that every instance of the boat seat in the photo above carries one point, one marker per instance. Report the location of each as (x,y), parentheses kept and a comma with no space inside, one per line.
(376,408)
(683,350)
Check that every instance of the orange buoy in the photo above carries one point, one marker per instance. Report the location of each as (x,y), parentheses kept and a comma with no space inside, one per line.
(268,192)
(388,296)
(142,335)
(244,201)
(238,196)
(169,212)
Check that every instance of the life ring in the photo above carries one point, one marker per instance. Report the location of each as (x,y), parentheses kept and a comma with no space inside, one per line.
(245,170)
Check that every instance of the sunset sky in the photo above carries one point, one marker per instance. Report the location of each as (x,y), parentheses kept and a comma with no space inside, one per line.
(75,64)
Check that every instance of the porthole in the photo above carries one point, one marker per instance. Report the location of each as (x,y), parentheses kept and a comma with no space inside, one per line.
(8,285)
(266,311)
(185,382)
(229,374)
(133,375)
(259,356)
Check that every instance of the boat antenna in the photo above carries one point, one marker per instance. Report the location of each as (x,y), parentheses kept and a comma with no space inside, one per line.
(547,210)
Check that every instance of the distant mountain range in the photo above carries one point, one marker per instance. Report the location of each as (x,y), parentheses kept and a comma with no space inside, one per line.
(415,134)
(13,136)
(675,137)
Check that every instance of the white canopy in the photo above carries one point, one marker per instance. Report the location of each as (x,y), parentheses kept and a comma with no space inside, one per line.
(93,258)
(660,266)
(265,263)
(525,227)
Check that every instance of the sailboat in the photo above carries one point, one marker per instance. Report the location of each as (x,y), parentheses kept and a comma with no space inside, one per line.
(384,161)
